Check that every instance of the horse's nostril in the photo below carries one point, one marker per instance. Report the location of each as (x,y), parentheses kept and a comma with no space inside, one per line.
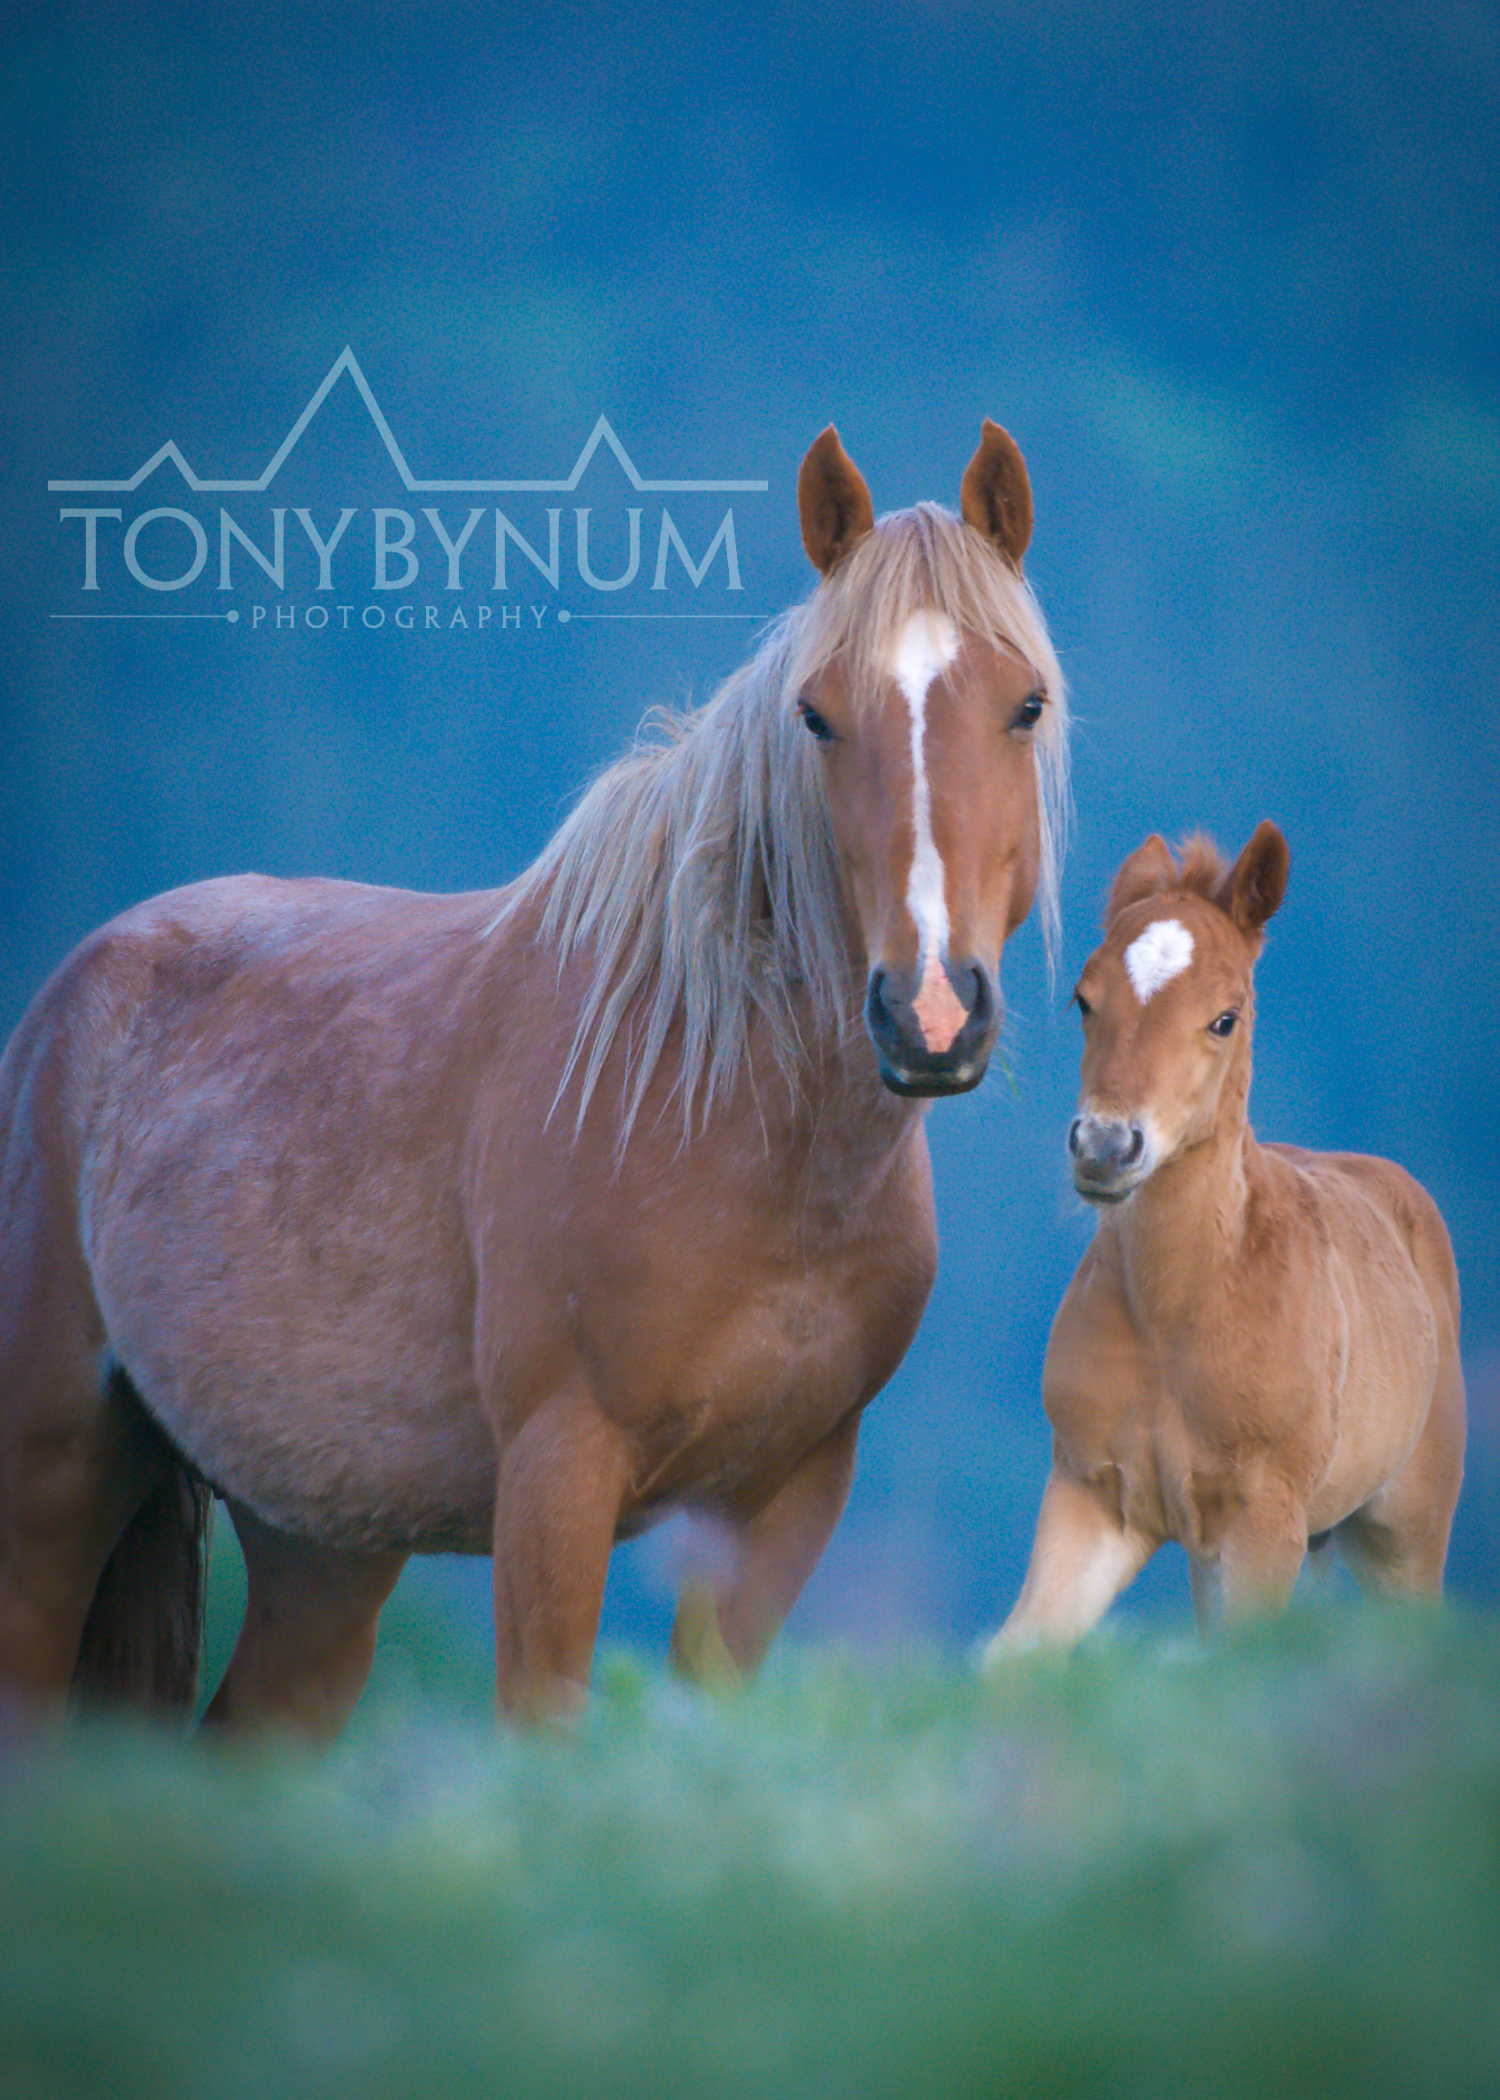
(1074,1129)
(1136,1146)
(984,997)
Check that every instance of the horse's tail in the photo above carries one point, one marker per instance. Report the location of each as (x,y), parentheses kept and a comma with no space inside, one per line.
(144,1632)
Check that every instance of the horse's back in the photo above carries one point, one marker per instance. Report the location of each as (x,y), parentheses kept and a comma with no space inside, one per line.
(174,982)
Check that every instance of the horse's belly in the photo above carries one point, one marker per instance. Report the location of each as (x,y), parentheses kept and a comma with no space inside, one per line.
(334,1445)
(1376,1432)
(1381,1402)
(334,1396)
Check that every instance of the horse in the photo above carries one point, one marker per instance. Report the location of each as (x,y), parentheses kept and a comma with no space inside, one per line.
(507,1222)
(1259,1351)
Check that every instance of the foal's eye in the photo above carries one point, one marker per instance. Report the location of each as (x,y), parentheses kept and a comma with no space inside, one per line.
(816,723)
(1029,713)
(1082,1004)
(1224,1025)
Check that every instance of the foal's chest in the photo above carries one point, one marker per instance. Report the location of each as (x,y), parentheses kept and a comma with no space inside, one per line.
(1162,1419)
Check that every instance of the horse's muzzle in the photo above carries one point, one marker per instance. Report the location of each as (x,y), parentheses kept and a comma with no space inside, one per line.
(933,1032)
(1109,1156)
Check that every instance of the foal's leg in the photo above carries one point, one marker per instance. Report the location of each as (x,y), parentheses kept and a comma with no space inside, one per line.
(1207,1592)
(1322,1568)
(1261,1555)
(557,1506)
(724,1629)
(305,1649)
(1082,1559)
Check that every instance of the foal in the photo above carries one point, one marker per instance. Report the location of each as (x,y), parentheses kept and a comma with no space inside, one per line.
(1261,1345)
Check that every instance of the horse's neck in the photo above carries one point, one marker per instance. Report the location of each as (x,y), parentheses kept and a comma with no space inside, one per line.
(835,1115)
(1181,1234)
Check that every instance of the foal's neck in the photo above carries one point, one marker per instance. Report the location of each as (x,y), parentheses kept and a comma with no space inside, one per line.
(1182,1233)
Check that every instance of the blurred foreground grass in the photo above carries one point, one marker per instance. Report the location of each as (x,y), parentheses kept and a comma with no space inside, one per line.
(1272,1868)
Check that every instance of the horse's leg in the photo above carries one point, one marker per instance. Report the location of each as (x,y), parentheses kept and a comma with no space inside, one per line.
(1207,1578)
(305,1649)
(75,1469)
(561,1481)
(1261,1554)
(1082,1558)
(1207,1593)
(723,1629)
(76,1460)
(1322,1566)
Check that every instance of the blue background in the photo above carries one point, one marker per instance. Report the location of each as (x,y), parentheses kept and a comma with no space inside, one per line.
(1231,283)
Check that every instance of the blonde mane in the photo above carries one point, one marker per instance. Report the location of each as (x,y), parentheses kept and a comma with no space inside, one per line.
(698,872)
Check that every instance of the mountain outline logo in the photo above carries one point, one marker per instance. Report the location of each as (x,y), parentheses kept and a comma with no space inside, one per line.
(346,362)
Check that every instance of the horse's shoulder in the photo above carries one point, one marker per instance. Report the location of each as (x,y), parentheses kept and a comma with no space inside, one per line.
(1093,1336)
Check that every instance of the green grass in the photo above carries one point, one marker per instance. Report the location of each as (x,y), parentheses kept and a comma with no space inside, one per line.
(1271,1868)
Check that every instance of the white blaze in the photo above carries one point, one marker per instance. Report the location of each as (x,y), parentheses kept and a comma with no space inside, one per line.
(928,644)
(1158,955)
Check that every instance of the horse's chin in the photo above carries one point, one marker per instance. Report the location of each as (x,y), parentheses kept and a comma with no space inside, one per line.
(1106,1199)
(931,1085)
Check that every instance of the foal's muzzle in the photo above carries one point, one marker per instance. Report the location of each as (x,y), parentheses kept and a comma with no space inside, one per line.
(933,1031)
(1109,1156)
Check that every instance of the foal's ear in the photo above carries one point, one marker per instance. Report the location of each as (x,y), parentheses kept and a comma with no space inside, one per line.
(996,493)
(1256,884)
(832,501)
(1149,869)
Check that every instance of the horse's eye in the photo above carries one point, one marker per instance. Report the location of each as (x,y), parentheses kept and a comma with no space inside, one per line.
(1029,713)
(1224,1025)
(1082,1004)
(815,722)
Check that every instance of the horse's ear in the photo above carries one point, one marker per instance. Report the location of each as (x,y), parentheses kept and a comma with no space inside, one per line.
(1149,869)
(832,502)
(996,494)
(1256,884)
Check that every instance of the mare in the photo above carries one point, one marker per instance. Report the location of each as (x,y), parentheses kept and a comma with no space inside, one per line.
(1260,1346)
(506,1222)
